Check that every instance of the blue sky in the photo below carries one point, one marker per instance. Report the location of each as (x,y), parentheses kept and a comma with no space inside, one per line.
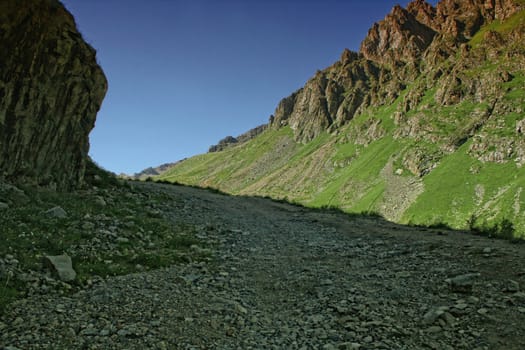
(185,73)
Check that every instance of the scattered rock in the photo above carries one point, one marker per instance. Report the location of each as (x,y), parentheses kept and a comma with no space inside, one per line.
(122,240)
(519,296)
(13,194)
(482,311)
(462,283)
(240,309)
(100,201)
(434,329)
(512,287)
(289,284)
(432,316)
(88,226)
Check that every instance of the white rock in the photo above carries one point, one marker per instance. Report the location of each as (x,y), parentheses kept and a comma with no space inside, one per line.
(57,212)
(63,266)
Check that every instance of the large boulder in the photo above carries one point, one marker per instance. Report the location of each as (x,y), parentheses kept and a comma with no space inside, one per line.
(51,89)
(62,266)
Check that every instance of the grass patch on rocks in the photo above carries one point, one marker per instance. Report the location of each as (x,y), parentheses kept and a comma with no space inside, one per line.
(108,229)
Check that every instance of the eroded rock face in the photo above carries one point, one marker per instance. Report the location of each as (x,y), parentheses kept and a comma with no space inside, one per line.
(408,44)
(51,89)
(229,141)
(330,99)
(400,37)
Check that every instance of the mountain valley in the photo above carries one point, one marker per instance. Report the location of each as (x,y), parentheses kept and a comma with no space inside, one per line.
(423,126)
(381,207)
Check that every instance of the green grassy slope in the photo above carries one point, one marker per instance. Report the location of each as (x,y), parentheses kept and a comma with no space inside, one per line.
(462,182)
(335,171)
(461,188)
(358,178)
(500,27)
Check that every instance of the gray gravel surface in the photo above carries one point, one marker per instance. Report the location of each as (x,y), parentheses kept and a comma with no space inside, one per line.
(285,277)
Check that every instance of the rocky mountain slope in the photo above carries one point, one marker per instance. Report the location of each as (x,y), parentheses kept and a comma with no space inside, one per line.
(51,88)
(424,125)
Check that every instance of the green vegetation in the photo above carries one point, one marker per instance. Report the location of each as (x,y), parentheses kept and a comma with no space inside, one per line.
(112,230)
(446,150)
(462,186)
(218,169)
(363,173)
(503,229)
(501,27)
(336,172)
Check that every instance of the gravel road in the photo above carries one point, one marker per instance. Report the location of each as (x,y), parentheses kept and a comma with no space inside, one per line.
(286,277)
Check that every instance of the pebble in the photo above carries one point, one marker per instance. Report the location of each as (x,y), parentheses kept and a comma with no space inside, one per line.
(122,239)
(482,311)
(100,201)
(434,329)
(462,283)
(432,316)
(512,286)
(88,226)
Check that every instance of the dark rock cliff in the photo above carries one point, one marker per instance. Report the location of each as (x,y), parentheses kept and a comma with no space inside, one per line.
(51,89)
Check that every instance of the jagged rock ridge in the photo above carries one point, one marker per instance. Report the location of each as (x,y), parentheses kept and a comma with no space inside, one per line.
(421,41)
(244,137)
(152,171)
(51,89)
(406,44)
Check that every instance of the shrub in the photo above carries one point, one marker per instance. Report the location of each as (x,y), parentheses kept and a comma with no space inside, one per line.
(504,229)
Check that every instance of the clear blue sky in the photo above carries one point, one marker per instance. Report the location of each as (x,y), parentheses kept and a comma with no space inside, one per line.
(185,73)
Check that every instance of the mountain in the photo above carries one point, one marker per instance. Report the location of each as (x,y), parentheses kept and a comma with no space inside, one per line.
(424,125)
(244,137)
(51,89)
(151,171)
(226,142)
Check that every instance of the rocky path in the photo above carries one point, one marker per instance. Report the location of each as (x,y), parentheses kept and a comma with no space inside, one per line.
(284,277)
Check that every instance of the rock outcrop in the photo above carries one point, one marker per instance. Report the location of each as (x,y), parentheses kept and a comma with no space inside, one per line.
(420,40)
(151,171)
(51,89)
(229,141)
(397,51)
(400,37)
(330,99)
